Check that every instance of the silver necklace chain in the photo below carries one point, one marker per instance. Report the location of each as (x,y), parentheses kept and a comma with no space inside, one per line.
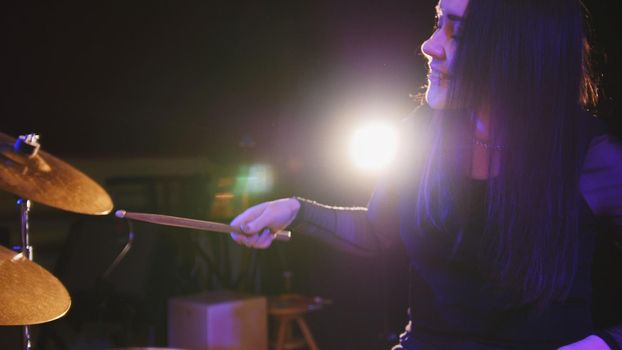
(487,146)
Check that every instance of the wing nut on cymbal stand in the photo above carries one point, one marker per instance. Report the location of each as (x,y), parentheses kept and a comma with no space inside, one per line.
(27,145)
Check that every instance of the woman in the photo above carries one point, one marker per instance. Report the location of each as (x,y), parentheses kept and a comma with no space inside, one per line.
(499,210)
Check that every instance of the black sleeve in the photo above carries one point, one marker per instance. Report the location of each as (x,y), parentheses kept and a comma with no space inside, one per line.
(359,230)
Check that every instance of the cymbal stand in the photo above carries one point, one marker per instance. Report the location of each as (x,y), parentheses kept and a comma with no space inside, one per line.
(24,209)
(27,145)
(124,251)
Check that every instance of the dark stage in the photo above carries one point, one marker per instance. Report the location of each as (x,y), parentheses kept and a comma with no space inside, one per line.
(200,109)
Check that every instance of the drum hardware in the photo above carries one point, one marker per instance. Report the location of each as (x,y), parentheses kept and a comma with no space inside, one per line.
(124,251)
(23,281)
(203,225)
(24,209)
(27,144)
(31,173)
(30,294)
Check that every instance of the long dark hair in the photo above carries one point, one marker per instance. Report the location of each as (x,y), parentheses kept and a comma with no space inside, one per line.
(528,62)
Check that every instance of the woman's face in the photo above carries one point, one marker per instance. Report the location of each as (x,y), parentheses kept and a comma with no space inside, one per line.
(440,49)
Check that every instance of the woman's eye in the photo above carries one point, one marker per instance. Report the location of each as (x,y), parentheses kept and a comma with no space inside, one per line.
(456,31)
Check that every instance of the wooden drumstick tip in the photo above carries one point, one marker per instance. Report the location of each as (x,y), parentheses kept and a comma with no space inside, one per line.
(120,214)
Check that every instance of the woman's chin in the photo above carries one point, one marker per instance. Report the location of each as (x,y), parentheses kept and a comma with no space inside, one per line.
(436,99)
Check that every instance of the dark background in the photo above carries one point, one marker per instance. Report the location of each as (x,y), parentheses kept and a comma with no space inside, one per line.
(196,77)
(235,82)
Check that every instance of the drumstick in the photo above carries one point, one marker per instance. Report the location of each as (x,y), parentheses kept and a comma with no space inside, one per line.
(190,223)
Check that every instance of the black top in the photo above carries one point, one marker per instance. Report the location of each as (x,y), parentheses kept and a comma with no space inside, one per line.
(451,299)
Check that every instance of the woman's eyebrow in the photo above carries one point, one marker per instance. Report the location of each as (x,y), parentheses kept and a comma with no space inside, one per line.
(450,16)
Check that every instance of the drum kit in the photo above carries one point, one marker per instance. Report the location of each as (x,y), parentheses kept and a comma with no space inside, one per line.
(29,294)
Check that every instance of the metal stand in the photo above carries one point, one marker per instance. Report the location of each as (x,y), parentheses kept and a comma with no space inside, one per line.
(24,209)
(124,251)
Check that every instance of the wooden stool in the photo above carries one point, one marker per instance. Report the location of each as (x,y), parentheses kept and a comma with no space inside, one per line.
(284,311)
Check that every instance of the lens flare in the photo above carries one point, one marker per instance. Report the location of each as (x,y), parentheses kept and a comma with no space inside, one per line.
(373,146)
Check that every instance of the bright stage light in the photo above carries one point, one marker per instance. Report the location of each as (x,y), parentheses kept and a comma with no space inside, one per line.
(373,146)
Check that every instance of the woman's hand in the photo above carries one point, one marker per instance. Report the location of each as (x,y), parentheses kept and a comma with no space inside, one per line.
(592,342)
(260,221)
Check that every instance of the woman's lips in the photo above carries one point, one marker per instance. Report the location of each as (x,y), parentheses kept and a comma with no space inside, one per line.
(438,75)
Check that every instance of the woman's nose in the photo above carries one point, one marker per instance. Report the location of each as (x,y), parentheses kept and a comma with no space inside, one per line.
(433,47)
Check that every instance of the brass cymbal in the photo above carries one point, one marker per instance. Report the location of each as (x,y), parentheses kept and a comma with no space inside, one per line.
(29,294)
(47,180)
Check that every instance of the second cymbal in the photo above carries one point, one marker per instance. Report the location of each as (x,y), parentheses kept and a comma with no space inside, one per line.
(47,180)
(29,294)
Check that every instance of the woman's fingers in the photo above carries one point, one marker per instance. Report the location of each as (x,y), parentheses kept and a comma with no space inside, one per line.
(247,216)
(261,241)
(239,238)
(265,239)
(258,221)
(265,219)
